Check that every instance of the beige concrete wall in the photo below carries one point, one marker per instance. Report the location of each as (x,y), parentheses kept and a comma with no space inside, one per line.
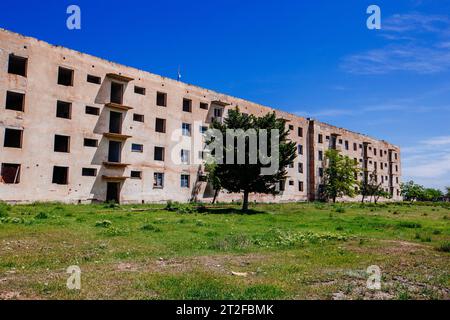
(40,124)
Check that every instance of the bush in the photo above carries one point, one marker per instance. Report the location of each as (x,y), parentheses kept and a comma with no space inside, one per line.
(444,247)
(111,205)
(409,224)
(340,209)
(150,227)
(41,215)
(4,209)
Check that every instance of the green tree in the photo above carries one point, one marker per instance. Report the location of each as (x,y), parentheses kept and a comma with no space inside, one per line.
(340,176)
(448,192)
(213,179)
(430,194)
(411,191)
(247,178)
(370,187)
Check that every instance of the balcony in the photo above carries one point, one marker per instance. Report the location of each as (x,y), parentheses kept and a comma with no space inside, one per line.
(114,178)
(118,106)
(116,136)
(119,77)
(111,164)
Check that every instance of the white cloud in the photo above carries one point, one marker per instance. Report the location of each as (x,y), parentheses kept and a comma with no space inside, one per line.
(428,162)
(408,49)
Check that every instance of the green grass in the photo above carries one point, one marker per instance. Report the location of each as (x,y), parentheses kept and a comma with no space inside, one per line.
(278,251)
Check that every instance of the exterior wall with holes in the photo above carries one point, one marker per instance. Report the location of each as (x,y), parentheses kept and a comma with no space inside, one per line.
(39,124)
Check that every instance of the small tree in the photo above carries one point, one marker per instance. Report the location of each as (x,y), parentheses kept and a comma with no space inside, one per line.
(448,192)
(411,191)
(340,176)
(430,194)
(247,178)
(370,187)
(213,179)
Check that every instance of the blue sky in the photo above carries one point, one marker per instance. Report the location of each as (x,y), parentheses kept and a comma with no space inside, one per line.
(313,58)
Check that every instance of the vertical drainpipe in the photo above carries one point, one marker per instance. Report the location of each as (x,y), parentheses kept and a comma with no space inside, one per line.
(311,166)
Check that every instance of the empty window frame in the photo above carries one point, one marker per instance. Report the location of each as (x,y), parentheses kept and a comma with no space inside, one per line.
(320,155)
(187,105)
(136,174)
(300,186)
(135,147)
(138,117)
(15,101)
(92,110)
(300,167)
(355,146)
(158,180)
(320,172)
(291,127)
(93,79)
(88,172)
(203,129)
(159,154)
(13,138)
(139,90)
(10,173)
(60,175)
(160,125)
(17,65)
(63,109)
(346,145)
(161,99)
(186,129)
(320,138)
(300,149)
(218,112)
(62,143)
(185,180)
(185,156)
(203,105)
(65,77)
(90,142)
(300,132)
(291,182)
(116,95)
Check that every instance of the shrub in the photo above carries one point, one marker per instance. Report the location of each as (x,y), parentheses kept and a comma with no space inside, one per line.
(41,215)
(111,205)
(113,231)
(340,209)
(409,224)
(4,208)
(150,227)
(444,247)
(103,224)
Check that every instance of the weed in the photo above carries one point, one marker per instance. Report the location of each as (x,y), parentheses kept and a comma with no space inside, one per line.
(444,247)
(150,227)
(41,215)
(103,224)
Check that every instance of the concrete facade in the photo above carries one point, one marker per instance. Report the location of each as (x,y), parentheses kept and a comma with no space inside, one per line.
(119,159)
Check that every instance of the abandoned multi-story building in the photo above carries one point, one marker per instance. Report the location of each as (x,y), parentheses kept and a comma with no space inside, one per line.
(76,128)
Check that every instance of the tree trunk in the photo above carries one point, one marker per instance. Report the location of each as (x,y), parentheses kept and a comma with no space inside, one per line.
(334,199)
(216,193)
(245,203)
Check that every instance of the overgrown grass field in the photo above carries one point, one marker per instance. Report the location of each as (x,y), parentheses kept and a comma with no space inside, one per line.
(276,251)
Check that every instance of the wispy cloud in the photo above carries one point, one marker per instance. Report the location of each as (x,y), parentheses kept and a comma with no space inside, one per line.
(417,43)
(428,162)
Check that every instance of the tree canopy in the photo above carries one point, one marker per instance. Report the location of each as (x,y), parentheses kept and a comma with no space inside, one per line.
(340,176)
(246,177)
